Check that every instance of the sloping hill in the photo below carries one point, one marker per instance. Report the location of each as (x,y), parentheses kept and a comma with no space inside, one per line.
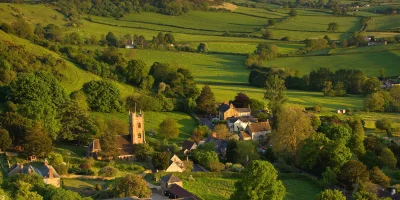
(73,76)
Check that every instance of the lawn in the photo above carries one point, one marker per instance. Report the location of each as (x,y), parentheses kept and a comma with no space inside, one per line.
(84,187)
(206,21)
(300,189)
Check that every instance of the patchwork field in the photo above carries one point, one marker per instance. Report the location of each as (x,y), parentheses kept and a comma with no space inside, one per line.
(384,23)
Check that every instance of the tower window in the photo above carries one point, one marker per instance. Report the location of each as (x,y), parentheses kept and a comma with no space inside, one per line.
(139,135)
(139,125)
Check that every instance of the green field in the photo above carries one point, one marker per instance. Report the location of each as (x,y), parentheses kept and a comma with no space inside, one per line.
(244,48)
(197,20)
(320,23)
(221,187)
(84,187)
(260,12)
(384,23)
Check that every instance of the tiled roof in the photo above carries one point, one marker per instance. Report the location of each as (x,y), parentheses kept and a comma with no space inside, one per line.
(244,134)
(170,178)
(260,126)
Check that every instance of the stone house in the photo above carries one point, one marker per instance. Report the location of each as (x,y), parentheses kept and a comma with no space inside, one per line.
(228,110)
(168,180)
(175,164)
(49,174)
(237,124)
(259,130)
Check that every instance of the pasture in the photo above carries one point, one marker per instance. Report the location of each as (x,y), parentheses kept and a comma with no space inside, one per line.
(384,23)
(320,23)
(260,12)
(197,20)
(243,48)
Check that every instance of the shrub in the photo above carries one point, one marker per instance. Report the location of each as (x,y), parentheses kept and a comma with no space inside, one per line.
(216,166)
(61,169)
(108,171)
(237,167)
(98,187)
(79,171)
(286,38)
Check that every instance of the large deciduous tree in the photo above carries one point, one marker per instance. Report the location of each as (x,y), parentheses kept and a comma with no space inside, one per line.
(371,85)
(102,96)
(352,172)
(168,129)
(333,27)
(259,181)
(266,51)
(241,100)
(331,195)
(5,140)
(37,142)
(206,101)
(109,145)
(293,127)
(161,160)
(136,72)
(132,185)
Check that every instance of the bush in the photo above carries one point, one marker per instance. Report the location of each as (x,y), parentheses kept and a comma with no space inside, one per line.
(98,187)
(61,169)
(79,171)
(108,171)
(286,38)
(216,166)
(237,167)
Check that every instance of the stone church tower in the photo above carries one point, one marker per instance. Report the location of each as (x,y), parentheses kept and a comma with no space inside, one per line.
(136,127)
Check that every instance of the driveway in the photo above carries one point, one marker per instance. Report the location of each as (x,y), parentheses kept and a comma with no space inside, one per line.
(158,196)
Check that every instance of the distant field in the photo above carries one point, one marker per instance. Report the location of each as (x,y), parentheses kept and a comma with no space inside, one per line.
(214,21)
(320,23)
(249,48)
(260,12)
(365,49)
(302,35)
(384,23)
(368,62)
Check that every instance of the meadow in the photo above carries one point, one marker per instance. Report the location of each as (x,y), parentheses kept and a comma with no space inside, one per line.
(384,23)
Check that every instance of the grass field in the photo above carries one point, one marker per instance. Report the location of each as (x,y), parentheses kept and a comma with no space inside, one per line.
(384,23)
(320,23)
(260,12)
(221,187)
(244,48)
(197,20)
(84,187)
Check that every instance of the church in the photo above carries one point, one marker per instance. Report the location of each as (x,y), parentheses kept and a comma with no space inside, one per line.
(125,142)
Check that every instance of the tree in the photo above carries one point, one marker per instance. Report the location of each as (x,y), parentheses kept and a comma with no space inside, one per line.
(293,127)
(137,71)
(382,73)
(333,27)
(245,152)
(378,177)
(386,158)
(206,101)
(343,43)
(331,195)
(168,129)
(293,13)
(266,51)
(395,94)
(132,185)
(328,89)
(216,166)
(109,145)
(375,102)
(202,48)
(384,124)
(204,157)
(222,131)
(102,96)
(241,100)
(112,39)
(372,85)
(275,93)
(259,181)
(161,160)
(37,142)
(352,172)
(267,33)
(329,177)
(5,140)
(142,151)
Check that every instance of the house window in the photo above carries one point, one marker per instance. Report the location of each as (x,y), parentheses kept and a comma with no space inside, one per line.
(139,125)
(139,135)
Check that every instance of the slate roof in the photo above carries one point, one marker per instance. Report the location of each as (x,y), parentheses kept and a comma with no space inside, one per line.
(170,178)
(260,126)
(187,144)
(224,107)
(242,110)
(44,171)
(181,192)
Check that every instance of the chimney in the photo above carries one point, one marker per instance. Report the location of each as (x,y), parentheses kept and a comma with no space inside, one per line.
(50,172)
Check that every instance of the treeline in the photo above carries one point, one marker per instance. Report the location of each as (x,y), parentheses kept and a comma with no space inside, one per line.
(351,79)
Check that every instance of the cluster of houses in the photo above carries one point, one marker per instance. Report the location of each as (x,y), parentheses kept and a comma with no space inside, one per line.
(47,172)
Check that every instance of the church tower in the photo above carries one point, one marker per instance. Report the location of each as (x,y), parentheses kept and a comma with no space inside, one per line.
(136,127)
